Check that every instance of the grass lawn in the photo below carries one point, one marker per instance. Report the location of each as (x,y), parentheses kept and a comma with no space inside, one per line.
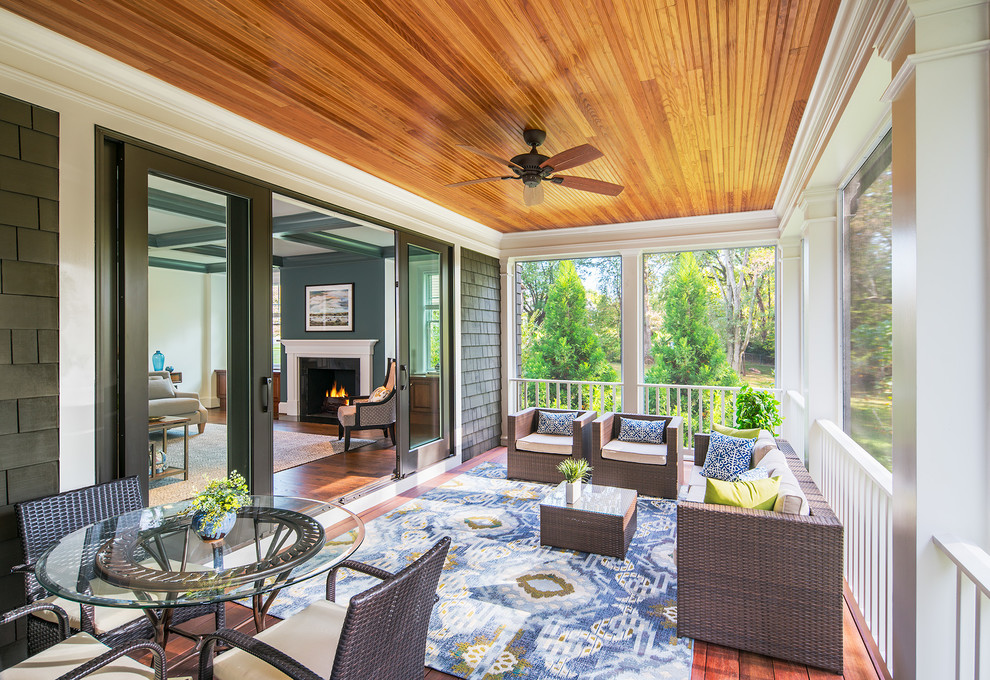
(872,427)
(758,375)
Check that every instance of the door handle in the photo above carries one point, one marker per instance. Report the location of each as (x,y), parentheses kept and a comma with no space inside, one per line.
(266,394)
(403,377)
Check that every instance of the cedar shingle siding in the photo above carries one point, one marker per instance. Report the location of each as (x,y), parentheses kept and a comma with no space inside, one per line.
(481,353)
(28,325)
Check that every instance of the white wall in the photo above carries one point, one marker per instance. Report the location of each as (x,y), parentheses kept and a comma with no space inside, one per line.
(179,323)
(89,89)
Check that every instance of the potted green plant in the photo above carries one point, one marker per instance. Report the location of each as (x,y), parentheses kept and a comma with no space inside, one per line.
(574,470)
(756,408)
(215,508)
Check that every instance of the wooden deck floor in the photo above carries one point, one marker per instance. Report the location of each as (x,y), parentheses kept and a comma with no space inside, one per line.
(711,662)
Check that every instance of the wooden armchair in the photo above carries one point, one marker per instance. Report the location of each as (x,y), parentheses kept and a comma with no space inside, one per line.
(650,469)
(535,457)
(363,414)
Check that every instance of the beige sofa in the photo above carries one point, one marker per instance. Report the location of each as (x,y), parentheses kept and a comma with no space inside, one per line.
(164,400)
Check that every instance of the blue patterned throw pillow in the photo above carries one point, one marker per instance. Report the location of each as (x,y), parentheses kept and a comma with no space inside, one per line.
(644,431)
(727,456)
(556,423)
(752,475)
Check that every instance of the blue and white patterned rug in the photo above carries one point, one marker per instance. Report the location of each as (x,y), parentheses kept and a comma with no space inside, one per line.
(511,608)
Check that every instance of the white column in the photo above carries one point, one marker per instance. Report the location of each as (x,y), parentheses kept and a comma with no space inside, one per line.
(821,269)
(790,339)
(509,358)
(632,333)
(940,255)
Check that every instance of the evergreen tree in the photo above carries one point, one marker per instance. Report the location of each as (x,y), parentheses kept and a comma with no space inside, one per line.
(687,350)
(564,346)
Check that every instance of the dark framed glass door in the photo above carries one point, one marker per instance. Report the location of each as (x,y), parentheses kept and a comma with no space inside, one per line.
(425,353)
(190,239)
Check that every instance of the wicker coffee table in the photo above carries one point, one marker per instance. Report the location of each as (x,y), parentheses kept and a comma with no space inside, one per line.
(601,521)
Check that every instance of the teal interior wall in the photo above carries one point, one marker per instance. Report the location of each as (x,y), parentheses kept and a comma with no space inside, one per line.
(368,277)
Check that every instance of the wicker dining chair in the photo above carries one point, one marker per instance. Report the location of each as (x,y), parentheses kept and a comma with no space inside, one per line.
(380,634)
(71,658)
(42,522)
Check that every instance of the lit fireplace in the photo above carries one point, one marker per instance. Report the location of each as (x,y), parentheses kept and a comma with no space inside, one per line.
(335,397)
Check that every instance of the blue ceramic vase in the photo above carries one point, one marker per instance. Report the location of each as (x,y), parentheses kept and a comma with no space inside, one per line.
(158,360)
(215,531)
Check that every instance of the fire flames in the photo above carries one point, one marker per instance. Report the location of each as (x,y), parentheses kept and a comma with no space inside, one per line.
(336,391)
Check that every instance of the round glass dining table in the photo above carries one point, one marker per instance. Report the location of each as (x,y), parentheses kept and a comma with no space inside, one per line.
(152,559)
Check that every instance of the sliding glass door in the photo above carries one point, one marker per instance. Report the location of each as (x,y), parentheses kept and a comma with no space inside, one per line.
(194,324)
(424,353)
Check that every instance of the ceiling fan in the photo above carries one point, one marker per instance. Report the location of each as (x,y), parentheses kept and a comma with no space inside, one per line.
(534,169)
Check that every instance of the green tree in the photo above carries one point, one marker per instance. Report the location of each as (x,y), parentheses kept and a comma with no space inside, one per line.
(687,350)
(564,346)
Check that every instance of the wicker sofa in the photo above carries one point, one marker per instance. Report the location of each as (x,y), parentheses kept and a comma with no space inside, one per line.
(650,469)
(762,581)
(541,466)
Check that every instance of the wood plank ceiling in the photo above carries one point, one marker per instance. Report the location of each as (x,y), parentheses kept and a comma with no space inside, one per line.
(694,103)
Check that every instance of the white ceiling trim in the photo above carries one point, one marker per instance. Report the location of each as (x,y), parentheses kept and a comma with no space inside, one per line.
(681,233)
(36,56)
(858,26)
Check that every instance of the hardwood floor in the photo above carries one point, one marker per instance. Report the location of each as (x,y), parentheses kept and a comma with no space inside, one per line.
(711,662)
(333,476)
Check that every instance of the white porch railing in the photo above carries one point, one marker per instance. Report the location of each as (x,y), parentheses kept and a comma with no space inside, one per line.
(575,394)
(972,593)
(860,491)
(699,405)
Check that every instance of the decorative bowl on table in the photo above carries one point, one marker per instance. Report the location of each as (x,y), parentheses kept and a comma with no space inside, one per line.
(215,508)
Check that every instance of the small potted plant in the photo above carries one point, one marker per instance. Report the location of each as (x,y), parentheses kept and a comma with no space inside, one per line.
(756,408)
(574,470)
(215,509)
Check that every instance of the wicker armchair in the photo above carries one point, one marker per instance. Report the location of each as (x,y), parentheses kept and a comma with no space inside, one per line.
(541,466)
(380,634)
(42,522)
(81,655)
(762,581)
(650,469)
(361,414)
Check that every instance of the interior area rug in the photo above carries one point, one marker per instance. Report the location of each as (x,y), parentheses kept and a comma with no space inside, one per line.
(511,608)
(208,456)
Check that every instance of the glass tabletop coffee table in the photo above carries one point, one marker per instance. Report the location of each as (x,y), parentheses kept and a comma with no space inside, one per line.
(152,560)
(602,520)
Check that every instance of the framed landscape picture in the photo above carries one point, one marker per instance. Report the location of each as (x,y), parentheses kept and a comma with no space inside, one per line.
(330,307)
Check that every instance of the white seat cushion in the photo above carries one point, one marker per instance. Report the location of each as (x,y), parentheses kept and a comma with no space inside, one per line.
(310,637)
(546,443)
(635,452)
(696,478)
(72,653)
(172,407)
(105,619)
(695,494)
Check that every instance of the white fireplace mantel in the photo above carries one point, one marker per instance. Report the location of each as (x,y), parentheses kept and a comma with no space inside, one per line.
(364,350)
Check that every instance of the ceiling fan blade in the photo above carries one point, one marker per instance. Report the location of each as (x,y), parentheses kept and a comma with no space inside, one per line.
(572,158)
(477,181)
(500,161)
(533,195)
(595,186)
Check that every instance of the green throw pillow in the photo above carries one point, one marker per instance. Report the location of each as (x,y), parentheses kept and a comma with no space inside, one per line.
(759,495)
(751,433)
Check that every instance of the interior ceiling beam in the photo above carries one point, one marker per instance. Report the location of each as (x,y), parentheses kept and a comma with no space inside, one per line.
(183,266)
(210,250)
(187,237)
(170,202)
(333,242)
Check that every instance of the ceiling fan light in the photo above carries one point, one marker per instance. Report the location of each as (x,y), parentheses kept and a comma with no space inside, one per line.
(533,195)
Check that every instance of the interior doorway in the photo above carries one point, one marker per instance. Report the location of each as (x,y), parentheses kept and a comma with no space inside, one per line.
(333,342)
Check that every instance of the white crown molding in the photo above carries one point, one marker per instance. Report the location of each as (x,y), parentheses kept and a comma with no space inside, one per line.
(894,31)
(45,60)
(906,72)
(854,35)
(729,229)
